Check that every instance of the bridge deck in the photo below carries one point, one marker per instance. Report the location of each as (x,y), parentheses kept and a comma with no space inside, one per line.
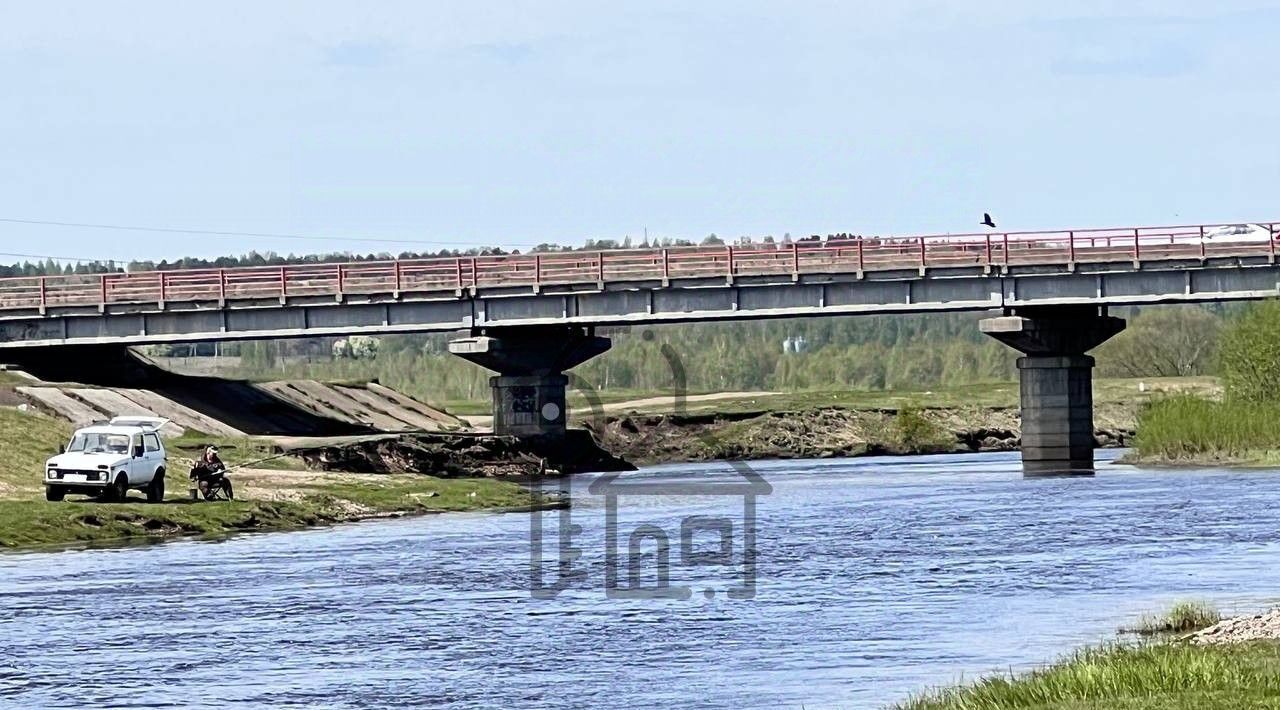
(457,274)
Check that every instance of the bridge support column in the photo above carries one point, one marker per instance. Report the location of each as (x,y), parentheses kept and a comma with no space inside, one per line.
(529,390)
(1055,379)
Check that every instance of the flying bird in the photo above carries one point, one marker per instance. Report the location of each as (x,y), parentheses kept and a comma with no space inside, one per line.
(986,219)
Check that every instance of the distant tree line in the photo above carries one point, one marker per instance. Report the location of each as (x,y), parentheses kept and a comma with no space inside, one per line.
(913,352)
(51,267)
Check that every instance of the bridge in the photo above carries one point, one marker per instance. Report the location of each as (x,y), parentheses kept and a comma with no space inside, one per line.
(531,316)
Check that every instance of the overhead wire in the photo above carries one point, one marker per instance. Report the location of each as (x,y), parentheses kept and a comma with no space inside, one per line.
(257,235)
(78,259)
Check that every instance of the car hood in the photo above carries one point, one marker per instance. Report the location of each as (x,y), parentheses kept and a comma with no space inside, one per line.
(88,462)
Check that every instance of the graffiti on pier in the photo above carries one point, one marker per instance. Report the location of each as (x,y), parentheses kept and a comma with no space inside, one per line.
(19,332)
(24,331)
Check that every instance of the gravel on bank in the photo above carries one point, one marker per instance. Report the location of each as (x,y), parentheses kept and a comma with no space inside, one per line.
(1237,629)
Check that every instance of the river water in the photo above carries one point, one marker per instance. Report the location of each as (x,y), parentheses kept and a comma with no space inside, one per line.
(875,578)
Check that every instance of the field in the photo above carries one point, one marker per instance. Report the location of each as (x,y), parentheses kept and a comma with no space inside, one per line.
(989,395)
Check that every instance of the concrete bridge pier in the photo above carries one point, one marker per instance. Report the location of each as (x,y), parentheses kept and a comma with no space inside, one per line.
(529,389)
(1055,379)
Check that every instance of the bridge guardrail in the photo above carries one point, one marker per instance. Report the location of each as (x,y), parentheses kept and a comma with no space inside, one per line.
(455,274)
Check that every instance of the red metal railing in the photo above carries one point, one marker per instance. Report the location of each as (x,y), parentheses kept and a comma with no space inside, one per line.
(848,255)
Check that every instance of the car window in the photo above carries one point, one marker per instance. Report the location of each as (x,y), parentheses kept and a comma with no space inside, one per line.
(153,443)
(99,444)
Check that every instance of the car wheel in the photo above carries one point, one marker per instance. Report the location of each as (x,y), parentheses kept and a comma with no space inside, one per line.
(118,491)
(54,493)
(155,490)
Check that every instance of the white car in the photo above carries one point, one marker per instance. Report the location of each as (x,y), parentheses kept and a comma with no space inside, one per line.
(1239,233)
(106,460)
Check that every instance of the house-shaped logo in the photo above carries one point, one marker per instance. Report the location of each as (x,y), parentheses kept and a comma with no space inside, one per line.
(733,532)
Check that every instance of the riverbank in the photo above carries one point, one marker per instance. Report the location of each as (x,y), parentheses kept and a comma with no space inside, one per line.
(1187,430)
(309,503)
(1164,676)
(839,423)
(1232,664)
(829,432)
(267,499)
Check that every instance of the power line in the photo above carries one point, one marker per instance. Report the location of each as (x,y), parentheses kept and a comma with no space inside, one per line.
(61,258)
(221,233)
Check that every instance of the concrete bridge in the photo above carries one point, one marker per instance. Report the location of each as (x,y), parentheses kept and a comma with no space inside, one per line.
(531,316)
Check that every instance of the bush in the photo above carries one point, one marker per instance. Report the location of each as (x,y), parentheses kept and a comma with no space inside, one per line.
(915,434)
(1183,617)
(1249,354)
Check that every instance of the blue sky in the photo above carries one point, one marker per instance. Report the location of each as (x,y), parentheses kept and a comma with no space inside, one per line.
(513,123)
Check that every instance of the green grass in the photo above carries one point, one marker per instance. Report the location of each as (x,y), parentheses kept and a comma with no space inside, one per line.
(576,400)
(1181,618)
(27,520)
(28,523)
(27,440)
(465,407)
(413,493)
(1171,676)
(10,379)
(992,394)
(1186,428)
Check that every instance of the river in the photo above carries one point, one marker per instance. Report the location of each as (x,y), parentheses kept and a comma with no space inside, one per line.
(875,578)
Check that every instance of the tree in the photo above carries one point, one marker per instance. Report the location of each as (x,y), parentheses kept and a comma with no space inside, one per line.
(1250,354)
(356,347)
(1175,341)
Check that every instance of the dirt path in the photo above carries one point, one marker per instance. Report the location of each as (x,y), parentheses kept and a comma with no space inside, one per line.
(669,401)
(276,485)
(665,402)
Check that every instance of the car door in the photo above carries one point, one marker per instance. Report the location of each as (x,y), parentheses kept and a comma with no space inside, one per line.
(139,468)
(154,451)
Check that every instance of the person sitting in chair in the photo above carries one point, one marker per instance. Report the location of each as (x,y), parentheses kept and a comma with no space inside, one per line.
(211,459)
(209,469)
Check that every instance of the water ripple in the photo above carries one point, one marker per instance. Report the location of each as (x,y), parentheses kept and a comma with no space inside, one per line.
(877,577)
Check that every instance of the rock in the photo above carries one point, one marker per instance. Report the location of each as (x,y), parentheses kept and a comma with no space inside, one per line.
(991,444)
(1241,628)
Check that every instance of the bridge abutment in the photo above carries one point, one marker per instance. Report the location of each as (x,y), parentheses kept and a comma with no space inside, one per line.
(529,389)
(1055,380)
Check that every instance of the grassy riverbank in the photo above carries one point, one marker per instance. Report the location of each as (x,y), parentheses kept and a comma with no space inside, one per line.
(1186,429)
(1165,672)
(1161,676)
(267,499)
